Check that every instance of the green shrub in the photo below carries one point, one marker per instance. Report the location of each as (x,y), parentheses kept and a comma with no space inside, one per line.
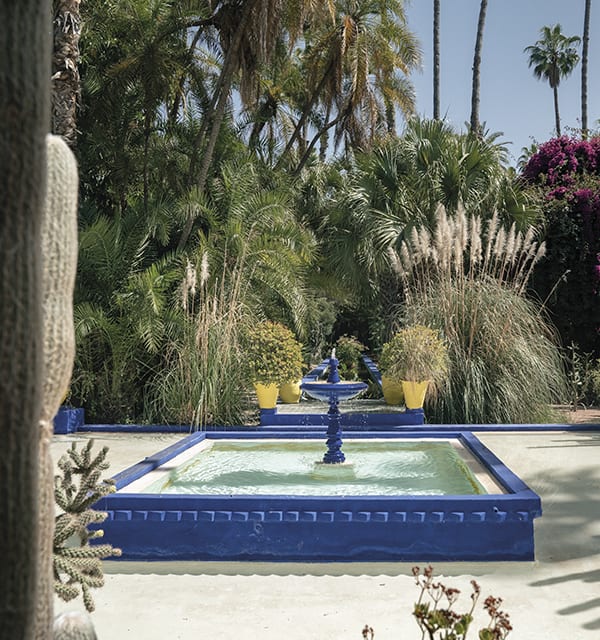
(348,351)
(415,353)
(272,354)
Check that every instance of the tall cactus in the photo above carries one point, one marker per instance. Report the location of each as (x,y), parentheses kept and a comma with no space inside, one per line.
(59,260)
(24,121)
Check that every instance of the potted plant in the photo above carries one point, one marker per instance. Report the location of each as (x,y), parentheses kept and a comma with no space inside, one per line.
(413,358)
(348,351)
(274,358)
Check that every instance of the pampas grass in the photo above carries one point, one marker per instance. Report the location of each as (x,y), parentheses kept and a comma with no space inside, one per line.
(203,380)
(468,279)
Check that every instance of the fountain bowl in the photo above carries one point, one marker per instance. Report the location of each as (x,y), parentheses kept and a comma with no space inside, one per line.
(333,391)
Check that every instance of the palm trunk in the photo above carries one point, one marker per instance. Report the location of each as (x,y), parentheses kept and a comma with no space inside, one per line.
(223,89)
(584,68)
(305,113)
(25,48)
(65,72)
(556,113)
(475,125)
(436,59)
(314,141)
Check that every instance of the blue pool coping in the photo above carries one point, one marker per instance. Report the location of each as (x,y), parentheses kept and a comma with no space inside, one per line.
(285,528)
(425,428)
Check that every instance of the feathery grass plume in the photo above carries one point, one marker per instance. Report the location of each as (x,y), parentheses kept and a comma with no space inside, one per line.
(77,564)
(203,376)
(505,365)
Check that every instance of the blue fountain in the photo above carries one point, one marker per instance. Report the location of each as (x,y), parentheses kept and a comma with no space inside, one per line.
(334,391)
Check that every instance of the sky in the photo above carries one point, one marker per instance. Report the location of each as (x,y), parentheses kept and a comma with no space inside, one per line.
(513,101)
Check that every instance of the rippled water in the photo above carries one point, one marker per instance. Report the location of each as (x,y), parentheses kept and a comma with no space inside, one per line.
(288,467)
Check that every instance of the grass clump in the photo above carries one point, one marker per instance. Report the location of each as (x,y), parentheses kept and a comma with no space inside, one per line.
(469,283)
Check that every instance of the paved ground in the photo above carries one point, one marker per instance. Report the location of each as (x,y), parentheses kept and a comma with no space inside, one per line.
(556,597)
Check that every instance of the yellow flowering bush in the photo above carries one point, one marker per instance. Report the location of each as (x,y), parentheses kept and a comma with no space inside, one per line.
(273,355)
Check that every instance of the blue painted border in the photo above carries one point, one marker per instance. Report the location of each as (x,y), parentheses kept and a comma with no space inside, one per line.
(323,529)
(68,420)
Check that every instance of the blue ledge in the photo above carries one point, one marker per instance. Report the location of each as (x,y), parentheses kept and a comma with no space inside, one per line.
(288,528)
(68,420)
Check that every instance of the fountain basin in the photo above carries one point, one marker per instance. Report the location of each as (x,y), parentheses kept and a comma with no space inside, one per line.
(333,391)
(323,528)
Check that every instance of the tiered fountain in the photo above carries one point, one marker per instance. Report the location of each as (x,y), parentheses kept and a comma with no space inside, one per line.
(334,391)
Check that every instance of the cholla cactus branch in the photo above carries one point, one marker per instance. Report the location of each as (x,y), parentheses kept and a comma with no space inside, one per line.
(77,564)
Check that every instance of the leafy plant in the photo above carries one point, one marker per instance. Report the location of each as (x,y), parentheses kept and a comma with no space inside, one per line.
(469,283)
(348,350)
(272,354)
(77,564)
(438,620)
(415,353)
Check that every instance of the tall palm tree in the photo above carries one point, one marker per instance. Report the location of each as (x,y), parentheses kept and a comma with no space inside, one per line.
(553,57)
(65,69)
(584,68)
(475,126)
(436,59)
(352,64)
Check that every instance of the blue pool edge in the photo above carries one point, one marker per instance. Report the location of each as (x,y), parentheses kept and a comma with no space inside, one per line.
(324,529)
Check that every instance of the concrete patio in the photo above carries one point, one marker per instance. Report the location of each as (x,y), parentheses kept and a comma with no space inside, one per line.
(555,597)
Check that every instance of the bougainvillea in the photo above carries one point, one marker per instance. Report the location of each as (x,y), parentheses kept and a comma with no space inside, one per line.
(566,174)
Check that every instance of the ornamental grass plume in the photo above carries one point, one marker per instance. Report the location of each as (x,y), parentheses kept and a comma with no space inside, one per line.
(468,281)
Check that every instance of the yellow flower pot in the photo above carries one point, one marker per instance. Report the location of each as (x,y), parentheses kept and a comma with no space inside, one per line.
(414,393)
(392,391)
(290,392)
(266,394)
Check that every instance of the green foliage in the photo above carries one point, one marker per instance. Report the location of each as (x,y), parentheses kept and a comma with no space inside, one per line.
(469,283)
(415,353)
(77,564)
(272,354)
(583,376)
(348,351)
(201,377)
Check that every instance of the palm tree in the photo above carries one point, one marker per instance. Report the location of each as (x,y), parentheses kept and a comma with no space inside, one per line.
(553,57)
(475,126)
(584,68)
(436,59)
(65,69)
(352,64)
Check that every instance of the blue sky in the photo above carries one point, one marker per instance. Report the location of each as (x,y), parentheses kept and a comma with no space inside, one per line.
(513,101)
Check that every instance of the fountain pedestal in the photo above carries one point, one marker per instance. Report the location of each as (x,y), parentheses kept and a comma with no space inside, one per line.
(333,391)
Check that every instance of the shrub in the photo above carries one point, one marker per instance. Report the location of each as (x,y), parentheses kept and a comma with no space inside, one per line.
(415,353)
(348,351)
(565,175)
(272,354)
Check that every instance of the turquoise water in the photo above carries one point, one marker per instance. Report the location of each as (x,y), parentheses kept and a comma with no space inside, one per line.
(288,468)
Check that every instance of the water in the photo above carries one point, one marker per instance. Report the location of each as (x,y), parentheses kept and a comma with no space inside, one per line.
(288,468)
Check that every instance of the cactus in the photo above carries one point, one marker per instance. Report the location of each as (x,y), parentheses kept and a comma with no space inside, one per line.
(77,564)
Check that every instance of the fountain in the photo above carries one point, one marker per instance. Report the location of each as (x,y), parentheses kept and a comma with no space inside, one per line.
(333,391)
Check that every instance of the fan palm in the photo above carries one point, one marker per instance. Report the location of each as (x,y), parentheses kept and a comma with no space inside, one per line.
(553,57)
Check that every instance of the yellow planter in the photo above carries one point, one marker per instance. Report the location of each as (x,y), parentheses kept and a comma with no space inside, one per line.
(290,392)
(414,393)
(266,394)
(392,391)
